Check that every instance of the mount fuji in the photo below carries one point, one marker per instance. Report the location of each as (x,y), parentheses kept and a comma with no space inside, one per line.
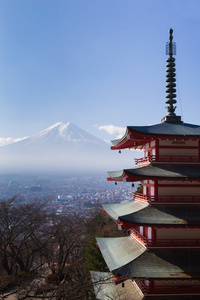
(63,133)
(61,147)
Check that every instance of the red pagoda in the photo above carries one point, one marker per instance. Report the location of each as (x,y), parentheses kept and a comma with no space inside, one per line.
(161,254)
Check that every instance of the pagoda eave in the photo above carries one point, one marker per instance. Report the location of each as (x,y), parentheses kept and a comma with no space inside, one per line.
(157,171)
(126,271)
(136,136)
(129,144)
(131,141)
(138,213)
(127,178)
(115,211)
(167,130)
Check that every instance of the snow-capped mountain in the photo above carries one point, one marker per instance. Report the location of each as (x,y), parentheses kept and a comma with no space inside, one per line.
(63,133)
(60,147)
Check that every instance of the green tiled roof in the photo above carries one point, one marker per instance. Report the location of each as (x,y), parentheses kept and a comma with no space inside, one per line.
(165,129)
(140,213)
(114,253)
(123,209)
(182,129)
(161,171)
(168,263)
(128,257)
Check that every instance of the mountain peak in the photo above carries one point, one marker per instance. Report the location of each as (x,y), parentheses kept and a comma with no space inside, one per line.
(64,132)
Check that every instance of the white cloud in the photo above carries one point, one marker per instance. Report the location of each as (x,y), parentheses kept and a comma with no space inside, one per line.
(7,141)
(112,129)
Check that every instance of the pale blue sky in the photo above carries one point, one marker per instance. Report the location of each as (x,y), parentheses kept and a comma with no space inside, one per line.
(94,62)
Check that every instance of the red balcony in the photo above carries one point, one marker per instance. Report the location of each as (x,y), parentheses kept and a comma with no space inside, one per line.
(169,289)
(166,199)
(165,243)
(166,159)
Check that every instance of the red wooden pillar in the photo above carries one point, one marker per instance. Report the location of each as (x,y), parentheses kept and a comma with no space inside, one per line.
(199,149)
(153,237)
(157,149)
(156,190)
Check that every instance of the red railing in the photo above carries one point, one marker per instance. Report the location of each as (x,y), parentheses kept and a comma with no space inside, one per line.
(165,242)
(135,234)
(142,198)
(166,199)
(166,159)
(143,160)
(169,289)
(174,243)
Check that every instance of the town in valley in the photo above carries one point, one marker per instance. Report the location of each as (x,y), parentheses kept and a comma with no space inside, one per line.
(65,194)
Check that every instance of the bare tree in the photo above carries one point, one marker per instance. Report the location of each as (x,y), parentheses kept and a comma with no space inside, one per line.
(68,277)
(66,235)
(21,235)
(28,234)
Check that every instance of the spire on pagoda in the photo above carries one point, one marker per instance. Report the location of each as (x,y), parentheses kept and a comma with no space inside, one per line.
(171,81)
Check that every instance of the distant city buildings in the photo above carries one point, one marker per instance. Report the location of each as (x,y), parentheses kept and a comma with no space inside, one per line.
(64,194)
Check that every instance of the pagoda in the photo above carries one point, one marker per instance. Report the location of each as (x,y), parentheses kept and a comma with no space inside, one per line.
(160,255)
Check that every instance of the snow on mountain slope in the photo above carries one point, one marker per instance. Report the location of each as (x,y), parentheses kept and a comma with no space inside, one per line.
(63,132)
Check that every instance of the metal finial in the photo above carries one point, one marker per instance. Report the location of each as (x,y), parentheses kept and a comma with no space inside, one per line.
(171,75)
(171,81)
(170,46)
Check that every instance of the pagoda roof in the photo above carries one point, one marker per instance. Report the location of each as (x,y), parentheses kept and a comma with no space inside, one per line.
(105,289)
(119,251)
(125,256)
(140,213)
(159,171)
(163,130)
(170,129)
(122,209)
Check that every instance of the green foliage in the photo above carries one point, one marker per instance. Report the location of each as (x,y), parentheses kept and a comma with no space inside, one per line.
(139,188)
(45,288)
(5,282)
(48,278)
(94,258)
(95,223)
(8,281)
